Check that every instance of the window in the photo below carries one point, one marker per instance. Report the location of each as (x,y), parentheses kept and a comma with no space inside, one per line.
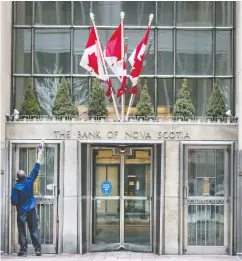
(108,13)
(197,13)
(194,52)
(53,13)
(192,39)
(52,51)
(23,52)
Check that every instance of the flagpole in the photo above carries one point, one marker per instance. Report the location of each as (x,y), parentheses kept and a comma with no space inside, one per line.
(132,95)
(103,62)
(122,55)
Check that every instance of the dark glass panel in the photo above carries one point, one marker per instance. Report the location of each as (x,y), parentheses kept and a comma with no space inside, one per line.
(53,13)
(164,97)
(22,51)
(52,51)
(194,53)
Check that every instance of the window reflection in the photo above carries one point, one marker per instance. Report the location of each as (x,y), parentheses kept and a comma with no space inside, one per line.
(164,97)
(223,53)
(206,167)
(194,53)
(165,52)
(108,13)
(191,13)
(23,51)
(200,90)
(224,13)
(52,51)
(53,13)
(23,16)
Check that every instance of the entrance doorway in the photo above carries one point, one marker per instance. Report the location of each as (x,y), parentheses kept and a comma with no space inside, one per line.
(45,190)
(122,199)
(208,202)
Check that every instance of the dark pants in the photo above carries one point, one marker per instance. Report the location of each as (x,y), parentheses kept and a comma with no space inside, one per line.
(31,219)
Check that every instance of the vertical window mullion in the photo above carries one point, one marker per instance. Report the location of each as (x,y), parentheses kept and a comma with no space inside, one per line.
(214,39)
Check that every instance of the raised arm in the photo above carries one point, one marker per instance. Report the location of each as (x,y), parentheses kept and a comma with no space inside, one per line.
(34,173)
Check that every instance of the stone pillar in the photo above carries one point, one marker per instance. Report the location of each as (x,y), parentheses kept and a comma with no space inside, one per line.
(238,80)
(171,222)
(70,198)
(5,96)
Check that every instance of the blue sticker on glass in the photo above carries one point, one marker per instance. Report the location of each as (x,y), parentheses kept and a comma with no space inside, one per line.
(106,187)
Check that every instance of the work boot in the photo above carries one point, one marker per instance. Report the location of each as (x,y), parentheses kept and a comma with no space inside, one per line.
(38,252)
(21,253)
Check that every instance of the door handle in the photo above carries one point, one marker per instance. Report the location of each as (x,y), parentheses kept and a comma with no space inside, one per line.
(185,191)
(54,191)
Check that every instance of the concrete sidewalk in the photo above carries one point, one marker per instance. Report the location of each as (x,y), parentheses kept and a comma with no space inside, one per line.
(121,256)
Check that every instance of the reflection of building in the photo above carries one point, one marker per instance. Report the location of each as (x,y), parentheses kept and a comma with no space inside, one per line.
(158,173)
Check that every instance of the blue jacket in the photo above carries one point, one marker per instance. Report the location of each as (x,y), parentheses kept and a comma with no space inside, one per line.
(22,192)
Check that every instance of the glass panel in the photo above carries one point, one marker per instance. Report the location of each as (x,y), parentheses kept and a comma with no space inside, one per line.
(82,13)
(220,179)
(137,221)
(52,51)
(165,13)
(80,94)
(206,178)
(201,90)
(224,13)
(151,89)
(137,171)
(205,225)
(165,52)
(106,221)
(53,13)
(227,90)
(80,40)
(23,154)
(108,13)
(194,52)
(164,97)
(22,51)
(223,53)
(106,167)
(23,12)
(46,89)
(20,86)
(194,13)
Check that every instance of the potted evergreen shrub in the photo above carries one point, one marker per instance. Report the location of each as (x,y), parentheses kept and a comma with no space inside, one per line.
(63,106)
(216,107)
(144,108)
(97,106)
(183,107)
(30,105)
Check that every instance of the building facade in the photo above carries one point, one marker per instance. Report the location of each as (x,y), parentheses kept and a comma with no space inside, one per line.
(163,185)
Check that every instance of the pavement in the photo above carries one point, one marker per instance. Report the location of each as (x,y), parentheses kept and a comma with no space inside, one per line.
(121,256)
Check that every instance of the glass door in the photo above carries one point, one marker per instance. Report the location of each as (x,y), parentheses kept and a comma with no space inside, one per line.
(45,191)
(121,205)
(207,200)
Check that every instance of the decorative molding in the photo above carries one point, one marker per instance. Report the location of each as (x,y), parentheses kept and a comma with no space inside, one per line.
(155,119)
(203,201)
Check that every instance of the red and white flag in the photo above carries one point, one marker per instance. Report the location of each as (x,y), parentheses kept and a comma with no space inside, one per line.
(123,78)
(136,60)
(113,52)
(91,60)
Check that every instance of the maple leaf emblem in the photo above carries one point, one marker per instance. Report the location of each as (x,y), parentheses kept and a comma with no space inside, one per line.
(92,62)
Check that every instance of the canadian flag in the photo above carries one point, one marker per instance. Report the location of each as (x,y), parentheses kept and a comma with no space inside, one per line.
(136,60)
(91,60)
(123,79)
(113,53)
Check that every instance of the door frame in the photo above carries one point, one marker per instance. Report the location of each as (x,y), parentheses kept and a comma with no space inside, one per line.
(9,184)
(122,198)
(156,235)
(231,162)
